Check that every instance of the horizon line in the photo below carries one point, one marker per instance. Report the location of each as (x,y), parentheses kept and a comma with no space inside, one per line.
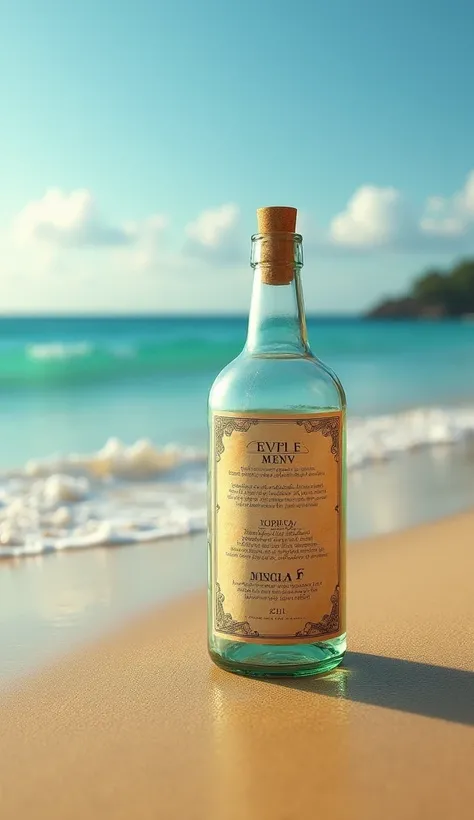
(157,315)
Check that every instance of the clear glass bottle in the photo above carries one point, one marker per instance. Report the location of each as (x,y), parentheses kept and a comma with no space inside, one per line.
(276,373)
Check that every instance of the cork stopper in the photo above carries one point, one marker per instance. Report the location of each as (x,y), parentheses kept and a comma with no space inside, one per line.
(275,225)
(276,219)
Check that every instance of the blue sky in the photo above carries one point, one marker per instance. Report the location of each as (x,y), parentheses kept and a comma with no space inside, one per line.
(138,138)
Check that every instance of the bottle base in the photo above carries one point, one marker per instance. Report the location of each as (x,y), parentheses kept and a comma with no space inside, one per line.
(283,661)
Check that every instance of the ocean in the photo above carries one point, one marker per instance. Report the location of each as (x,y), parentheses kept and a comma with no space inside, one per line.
(104,419)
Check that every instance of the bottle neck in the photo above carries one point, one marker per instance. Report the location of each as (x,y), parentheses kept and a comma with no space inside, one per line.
(277,323)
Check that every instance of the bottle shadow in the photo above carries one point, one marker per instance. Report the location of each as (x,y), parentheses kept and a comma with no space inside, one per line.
(418,688)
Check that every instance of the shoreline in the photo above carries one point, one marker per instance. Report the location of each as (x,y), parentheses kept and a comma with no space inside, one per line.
(140,724)
(87,596)
(80,511)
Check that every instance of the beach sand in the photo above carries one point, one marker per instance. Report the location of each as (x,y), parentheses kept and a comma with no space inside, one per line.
(52,603)
(141,725)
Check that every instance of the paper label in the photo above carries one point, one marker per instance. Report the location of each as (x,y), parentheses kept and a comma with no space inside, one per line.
(276,532)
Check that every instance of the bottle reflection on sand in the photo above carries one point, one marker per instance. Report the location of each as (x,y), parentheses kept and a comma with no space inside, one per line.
(280,749)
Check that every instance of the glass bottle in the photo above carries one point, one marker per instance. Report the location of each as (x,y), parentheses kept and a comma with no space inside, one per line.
(277,482)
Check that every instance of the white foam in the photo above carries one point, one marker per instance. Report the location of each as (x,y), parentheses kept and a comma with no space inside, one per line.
(59,350)
(381,437)
(129,494)
(62,512)
(115,459)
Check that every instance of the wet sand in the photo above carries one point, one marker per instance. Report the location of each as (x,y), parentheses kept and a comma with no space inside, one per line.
(52,603)
(141,725)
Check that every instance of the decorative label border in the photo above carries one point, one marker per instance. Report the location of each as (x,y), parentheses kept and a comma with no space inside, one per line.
(224,424)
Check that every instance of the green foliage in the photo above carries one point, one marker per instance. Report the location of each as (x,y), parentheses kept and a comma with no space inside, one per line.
(462,279)
(452,292)
(431,288)
(435,294)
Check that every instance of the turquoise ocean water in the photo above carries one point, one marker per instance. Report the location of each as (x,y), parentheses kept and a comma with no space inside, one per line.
(70,385)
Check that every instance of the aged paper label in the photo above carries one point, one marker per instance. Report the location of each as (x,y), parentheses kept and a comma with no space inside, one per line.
(276,531)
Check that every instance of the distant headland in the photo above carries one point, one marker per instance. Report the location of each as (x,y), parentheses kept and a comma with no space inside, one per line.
(434,295)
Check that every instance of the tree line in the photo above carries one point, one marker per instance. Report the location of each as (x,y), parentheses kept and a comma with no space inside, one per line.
(435,294)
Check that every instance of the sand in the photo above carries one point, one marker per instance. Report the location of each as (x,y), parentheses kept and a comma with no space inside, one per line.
(141,725)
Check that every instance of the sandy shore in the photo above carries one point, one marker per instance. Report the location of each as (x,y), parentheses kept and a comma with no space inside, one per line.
(140,725)
(53,603)
(50,604)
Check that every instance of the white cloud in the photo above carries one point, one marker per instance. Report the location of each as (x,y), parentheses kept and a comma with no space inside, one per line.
(67,220)
(450,216)
(374,217)
(70,253)
(212,227)
(377,218)
(70,221)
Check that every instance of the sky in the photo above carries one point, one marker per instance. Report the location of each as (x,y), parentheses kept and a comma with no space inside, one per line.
(137,138)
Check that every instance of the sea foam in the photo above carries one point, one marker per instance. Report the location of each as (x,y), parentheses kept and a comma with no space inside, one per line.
(127,494)
(115,459)
(377,438)
(59,350)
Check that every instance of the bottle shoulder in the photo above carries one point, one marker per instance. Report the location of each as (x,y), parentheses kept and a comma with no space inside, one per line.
(253,382)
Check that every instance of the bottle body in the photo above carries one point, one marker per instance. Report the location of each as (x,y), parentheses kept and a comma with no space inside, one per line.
(277,499)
